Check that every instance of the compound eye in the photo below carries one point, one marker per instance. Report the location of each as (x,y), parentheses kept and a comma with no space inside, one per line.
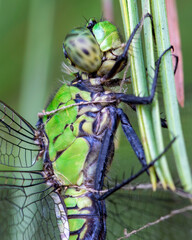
(83,50)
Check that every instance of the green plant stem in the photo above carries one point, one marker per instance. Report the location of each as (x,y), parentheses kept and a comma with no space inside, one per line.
(139,79)
(169,94)
(148,116)
(150,65)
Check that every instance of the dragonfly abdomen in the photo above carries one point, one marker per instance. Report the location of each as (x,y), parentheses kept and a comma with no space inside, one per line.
(86,215)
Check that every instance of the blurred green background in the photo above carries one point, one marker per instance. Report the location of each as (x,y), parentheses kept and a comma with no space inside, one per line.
(31,36)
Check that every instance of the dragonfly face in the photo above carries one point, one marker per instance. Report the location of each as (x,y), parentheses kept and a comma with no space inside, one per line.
(74,144)
(94,49)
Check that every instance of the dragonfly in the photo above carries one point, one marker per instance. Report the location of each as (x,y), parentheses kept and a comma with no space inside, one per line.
(53,183)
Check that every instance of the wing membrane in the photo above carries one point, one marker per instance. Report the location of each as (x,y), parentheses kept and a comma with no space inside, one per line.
(17,146)
(29,208)
(144,214)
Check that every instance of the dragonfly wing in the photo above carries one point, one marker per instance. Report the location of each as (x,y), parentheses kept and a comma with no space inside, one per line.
(144,214)
(30,209)
(17,146)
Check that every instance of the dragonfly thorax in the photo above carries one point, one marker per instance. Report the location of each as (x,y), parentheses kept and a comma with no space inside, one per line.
(73,146)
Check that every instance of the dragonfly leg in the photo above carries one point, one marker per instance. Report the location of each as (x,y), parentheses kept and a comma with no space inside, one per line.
(176,62)
(131,99)
(136,175)
(106,150)
(123,57)
(132,137)
(163,120)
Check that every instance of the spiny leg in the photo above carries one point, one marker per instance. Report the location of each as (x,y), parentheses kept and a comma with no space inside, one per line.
(132,137)
(131,99)
(133,177)
(106,148)
(123,57)
(163,120)
(133,106)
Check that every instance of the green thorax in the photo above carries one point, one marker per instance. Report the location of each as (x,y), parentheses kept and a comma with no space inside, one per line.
(74,136)
(62,130)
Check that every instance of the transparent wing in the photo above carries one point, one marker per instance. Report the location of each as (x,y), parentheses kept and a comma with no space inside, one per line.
(29,208)
(144,214)
(17,146)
